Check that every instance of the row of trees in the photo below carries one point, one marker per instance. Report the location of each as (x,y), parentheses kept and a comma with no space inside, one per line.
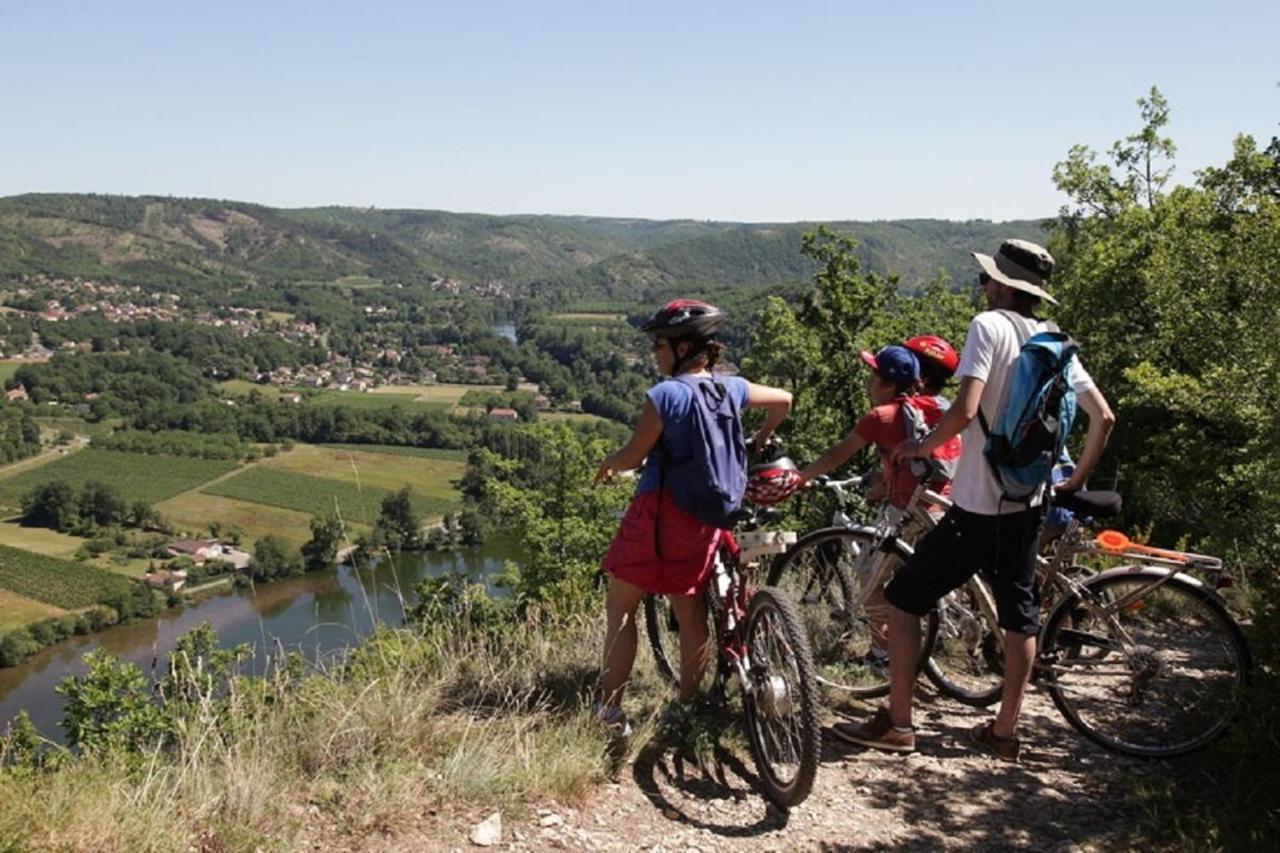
(58,505)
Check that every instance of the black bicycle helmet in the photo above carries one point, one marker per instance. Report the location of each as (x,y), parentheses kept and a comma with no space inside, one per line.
(684,318)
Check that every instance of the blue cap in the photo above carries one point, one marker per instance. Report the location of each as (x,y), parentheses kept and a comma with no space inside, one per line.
(897,364)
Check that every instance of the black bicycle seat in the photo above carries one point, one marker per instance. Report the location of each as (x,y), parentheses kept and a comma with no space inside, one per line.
(1089,504)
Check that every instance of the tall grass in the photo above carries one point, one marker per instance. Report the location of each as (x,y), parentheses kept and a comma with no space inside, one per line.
(410,721)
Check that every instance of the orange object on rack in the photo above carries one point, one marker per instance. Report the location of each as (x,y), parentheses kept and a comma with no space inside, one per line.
(1115,542)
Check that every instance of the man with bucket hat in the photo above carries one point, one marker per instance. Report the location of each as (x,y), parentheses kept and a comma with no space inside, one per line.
(982,531)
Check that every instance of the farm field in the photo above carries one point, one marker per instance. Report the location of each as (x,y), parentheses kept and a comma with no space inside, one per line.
(443,393)
(138,476)
(8,367)
(39,540)
(18,610)
(77,426)
(242,387)
(58,582)
(429,477)
(195,511)
(317,495)
(398,450)
(373,400)
(581,417)
(585,318)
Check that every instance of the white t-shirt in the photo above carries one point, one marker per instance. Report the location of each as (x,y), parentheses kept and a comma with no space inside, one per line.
(990,350)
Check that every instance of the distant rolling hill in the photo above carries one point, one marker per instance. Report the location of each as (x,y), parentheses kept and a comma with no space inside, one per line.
(204,242)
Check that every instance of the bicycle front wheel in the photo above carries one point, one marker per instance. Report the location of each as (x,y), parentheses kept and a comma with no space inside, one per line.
(1143,667)
(781,700)
(967,660)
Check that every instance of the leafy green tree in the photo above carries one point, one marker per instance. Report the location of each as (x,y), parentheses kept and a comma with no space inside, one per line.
(100,504)
(52,505)
(812,348)
(398,523)
(565,523)
(321,550)
(1174,297)
(110,708)
(274,558)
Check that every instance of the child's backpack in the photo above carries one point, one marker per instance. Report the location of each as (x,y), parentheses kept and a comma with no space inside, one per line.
(920,415)
(1037,413)
(710,483)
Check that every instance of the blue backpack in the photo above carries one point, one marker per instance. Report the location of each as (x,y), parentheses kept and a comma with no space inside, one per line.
(710,482)
(1039,408)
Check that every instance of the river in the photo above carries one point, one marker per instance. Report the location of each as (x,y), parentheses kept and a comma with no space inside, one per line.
(319,614)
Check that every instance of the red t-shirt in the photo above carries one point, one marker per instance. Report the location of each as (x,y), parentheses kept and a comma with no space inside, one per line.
(885,427)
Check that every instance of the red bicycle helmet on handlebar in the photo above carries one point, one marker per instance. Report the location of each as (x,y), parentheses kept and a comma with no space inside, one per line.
(770,483)
(685,318)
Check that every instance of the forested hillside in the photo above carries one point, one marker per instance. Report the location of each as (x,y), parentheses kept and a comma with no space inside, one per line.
(161,240)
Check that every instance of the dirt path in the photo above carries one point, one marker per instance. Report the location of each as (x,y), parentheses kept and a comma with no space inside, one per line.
(1065,795)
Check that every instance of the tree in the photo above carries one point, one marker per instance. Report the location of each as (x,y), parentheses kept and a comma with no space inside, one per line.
(1173,296)
(273,558)
(398,523)
(321,551)
(100,505)
(109,708)
(52,505)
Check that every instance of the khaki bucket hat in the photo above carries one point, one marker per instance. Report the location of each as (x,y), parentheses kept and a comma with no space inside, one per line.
(1020,264)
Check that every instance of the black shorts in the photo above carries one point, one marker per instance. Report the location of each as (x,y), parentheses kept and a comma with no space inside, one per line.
(1002,547)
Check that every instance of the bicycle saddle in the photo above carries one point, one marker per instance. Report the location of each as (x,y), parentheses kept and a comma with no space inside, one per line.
(1090,504)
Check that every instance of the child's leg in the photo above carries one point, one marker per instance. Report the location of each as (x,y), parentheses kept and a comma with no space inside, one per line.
(620,639)
(691,616)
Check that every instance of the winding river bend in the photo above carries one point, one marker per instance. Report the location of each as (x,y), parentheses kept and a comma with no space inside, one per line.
(319,614)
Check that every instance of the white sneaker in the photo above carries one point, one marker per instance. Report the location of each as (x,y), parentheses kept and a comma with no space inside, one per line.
(613,718)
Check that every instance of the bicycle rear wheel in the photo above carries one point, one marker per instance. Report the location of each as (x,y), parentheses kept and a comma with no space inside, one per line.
(820,573)
(781,701)
(967,660)
(1146,670)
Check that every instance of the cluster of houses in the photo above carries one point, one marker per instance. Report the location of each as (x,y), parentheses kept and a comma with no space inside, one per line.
(198,551)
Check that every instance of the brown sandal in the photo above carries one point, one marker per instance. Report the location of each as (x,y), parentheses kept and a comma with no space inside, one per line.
(1003,748)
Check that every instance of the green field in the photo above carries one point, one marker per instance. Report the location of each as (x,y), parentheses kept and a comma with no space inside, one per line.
(58,582)
(193,512)
(8,367)
(362,400)
(445,392)
(318,495)
(137,476)
(242,388)
(18,610)
(396,450)
(431,478)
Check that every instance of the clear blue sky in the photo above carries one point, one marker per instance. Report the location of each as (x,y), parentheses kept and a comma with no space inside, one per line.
(739,110)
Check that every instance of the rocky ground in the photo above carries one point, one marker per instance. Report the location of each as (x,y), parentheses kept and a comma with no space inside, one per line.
(1064,795)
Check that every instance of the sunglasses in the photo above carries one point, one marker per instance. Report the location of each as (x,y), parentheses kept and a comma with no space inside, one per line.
(658,343)
(983,279)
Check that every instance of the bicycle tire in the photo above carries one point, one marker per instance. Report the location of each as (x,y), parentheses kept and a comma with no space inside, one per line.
(781,703)
(664,636)
(966,661)
(1174,686)
(817,573)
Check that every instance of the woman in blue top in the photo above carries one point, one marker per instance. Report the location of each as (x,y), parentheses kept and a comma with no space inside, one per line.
(660,548)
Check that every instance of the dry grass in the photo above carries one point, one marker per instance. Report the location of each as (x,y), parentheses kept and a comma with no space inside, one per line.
(409,723)
(428,477)
(195,511)
(18,610)
(39,540)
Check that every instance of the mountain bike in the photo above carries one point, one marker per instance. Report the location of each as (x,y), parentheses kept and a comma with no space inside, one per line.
(837,574)
(1142,658)
(760,642)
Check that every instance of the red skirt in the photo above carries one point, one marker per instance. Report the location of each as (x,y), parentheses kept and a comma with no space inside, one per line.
(677,561)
